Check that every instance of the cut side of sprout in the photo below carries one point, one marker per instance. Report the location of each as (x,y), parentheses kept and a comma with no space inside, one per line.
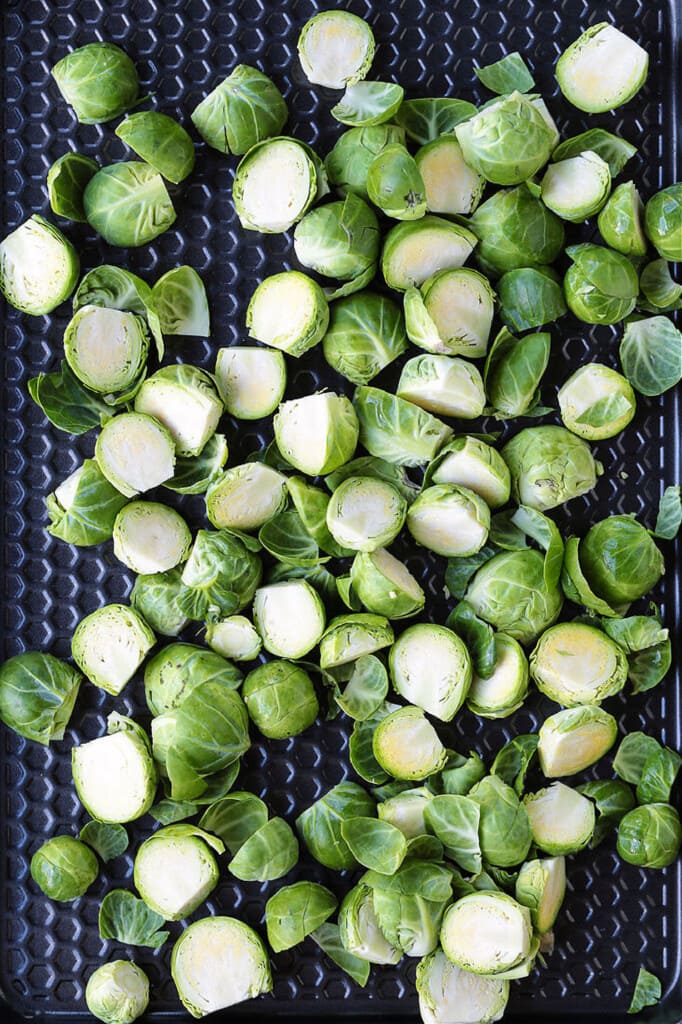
(407,746)
(444,385)
(461,304)
(385,586)
(541,886)
(504,691)
(578,187)
(106,348)
(561,819)
(175,870)
(365,513)
(596,402)
(235,637)
(602,69)
(150,537)
(406,811)
(414,252)
(574,664)
(274,185)
(431,668)
(360,931)
(336,49)
(450,995)
(290,618)
(38,267)
(135,453)
(288,311)
(110,644)
(349,637)
(574,739)
(452,187)
(470,462)
(318,433)
(115,777)
(184,399)
(487,933)
(450,520)
(251,381)
(245,497)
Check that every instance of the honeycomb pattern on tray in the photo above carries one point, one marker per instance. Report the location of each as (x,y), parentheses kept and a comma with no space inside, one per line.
(615,917)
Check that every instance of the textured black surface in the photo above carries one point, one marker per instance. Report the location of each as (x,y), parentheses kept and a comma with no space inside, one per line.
(615,917)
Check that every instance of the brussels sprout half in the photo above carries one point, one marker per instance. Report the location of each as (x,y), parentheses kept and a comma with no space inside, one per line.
(574,739)
(471,463)
(621,221)
(575,664)
(318,433)
(339,239)
(184,400)
(414,252)
(549,466)
(504,690)
(397,430)
(150,537)
(602,69)
(448,993)
(596,402)
(663,222)
(507,141)
(288,311)
(290,617)
(360,930)
(107,349)
(38,267)
(395,185)
(241,111)
(577,187)
(245,497)
(385,586)
(487,933)
(366,333)
(161,141)
(431,668)
(234,637)
(365,513)
(251,381)
(274,185)
(280,699)
(99,80)
(407,746)
(175,670)
(541,886)
(348,162)
(117,992)
(128,204)
(115,775)
(336,49)
(511,593)
(135,453)
(444,385)
(515,229)
(37,695)
(460,304)
(451,186)
(620,559)
(175,870)
(450,520)
(110,644)
(64,868)
(561,819)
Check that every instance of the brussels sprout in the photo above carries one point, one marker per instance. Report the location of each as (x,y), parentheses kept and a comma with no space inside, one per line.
(320,824)
(452,187)
(397,430)
(471,463)
(577,187)
(107,350)
(601,287)
(650,836)
(64,868)
(280,699)
(175,870)
(620,222)
(185,401)
(448,993)
(296,911)
(83,508)
(651,355)
(38,267)
(502,692)
(234,637)
(66,181)
(366,333)
(454,315)
(647,646)
(368,103)
(596,402)
(507,141)
(642,761)
(395,185)
(541,886)
(290,617)
(348,162)
(511,593)
(366,513)
(175,670)
(407,917)
(336,49)
(275,183)
(530,297)
(245,497)
(217,962)
(620,559)
(179,299)
(661,293)
(117,992)
(407,746)
(602,69)
(430,667)
(161,141)
(222,575)
(99,80)
(288,311)
(513,371)
(515,230)
(572,740)
(115,775)
(385,586)
(150,537)
(414,252)
(487,933)
(110,644)
(349,637)
(612,148)
(504,830)
(549,466)
(251,381)
(157,599)
(135,453)
(450,520)
(360,931)
(562,820)
(339,240)
(406,811)
(128,204)
(242,110)
(575,664)
(663,222)
(317,433)
(444,385)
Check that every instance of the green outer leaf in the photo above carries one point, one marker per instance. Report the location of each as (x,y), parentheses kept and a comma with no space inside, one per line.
(633,753)
(369,465)
(455,821)
(658,776)
(328,939)
(180,301)
(368,103)
(614,150)
(513,760)
(513,371)
(529,297)
(115,288)
(662,293)
(37,695)
(651,355)
(125,918)
(295,911)
(269,853)
(320,824)
(458,779)
(375,844)
(505,833)
(613,800)
(167,812)
(311,504)
(161,141)
(365,689)
(544,532)
(96,503)
(504,534)
(461,570)
(669,518)
(647,991)
(361,751)
(507,75)
(426,119)
(575,584)
(478,636)
(66,181)
(287,539)
(108,841)
(365,334)
(235,819)
(356,284)
(66,403)
(195,473)
(242,110)
(648,668)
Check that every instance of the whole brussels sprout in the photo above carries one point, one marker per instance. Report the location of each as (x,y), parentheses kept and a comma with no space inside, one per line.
(117,993)
(280,699)
(650,836)
(64,868)
(99,80)
(620,559)
(508,141)
(602,285)
(663,222)
(515,230)
(549,466)
(242,110)
(510,592)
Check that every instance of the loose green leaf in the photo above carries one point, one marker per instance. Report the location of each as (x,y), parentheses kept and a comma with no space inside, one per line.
(507,75)
(613,799)
(651,355)
(633,753)
(369,465)
(368,103)
(269,853)
(328,939)
(478,636)
(296,911)
(66,403)
(658,776)
(647,991)
(513,371)
(614,150)
(37,695)
(66,181)
(426,119)
(461,570)
(235,819)
(286,537)
(514,759)
(179,299)
(661,293)
(167,812)
(126,919)
(455,821)
(366,688)
(108,841)
(545,533)
(375,844)
(669,518)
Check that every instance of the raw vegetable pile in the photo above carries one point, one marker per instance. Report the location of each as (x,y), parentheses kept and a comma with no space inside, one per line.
(291,581)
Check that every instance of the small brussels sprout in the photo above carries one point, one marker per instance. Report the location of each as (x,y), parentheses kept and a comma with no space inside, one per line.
(181,304)
(320,824)
(115,775)
(64,868)
(471,463)
(575,664)
(574,739)
(562,820)
(407,746)
(241,111)
(602,69)
(549,466)
(511,593)
(515,367)
(348,162)
(83,508)
(288,311)
(37,695)
(217,962)
(515,229)
(620,221)
(450,520)
(174,671)
(487,933)
(280,699)
(650,836)
(577,187)
(296,911)
(275,183)
(541,886)
(504,690)
(135,453)
(458,307)
(650,355)
(251,381)
(290,617)
(396,430)
(596,402)
(414,252)
(175,870)
(360,930)
(99,80)
(161,142)
(365,513)
(157,598)
(530,297)
(128,204)
(395,185)
(663,222)
(117,992)
(245,497)
(444,385)
(621,559)
(221,573)
(184,400)
(110,644)
(507,141)
(452,187)
(431,668)
(368,103)
(38,267)
(340,239)
(448,993)
(385,586)
(150,537)
(601,287)
(317,433)
(66,181)
(366,333)
(107,349)
(336,49)
(234,637)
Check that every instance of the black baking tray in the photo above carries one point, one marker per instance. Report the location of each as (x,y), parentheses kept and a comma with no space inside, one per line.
(615,917)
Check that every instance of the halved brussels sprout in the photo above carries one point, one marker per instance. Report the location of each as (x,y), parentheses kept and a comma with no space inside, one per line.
(274,185)
(336,49)
(366,333)
(621,221)
(128,204)
(406,811)
(339,239)
(452,187)
(530,297)
(365,513)
(663,222)
(650,836)
(450,520)
(395,185)
(135,453)
(574,739)
(38,267)
(218,962)
(221,574)
(504,690)
(175,870)
(161,141)
(181,304)
(577,187)
(601,286)
(349,637)
(64,868)
(448,993)
(107,349)
(117,992)
(66,181)
(515,366)
(444,385)
(280,699)
(245,497)
(602,69)
(83,508)
(317,433)
(515,229)
(296,911)
(487,933)
(541,886)
(150,537)
(549,466)
(575,664)
(368,103)
(596,402)
(320,824)
(407,746)
(360,930)
(348,162)
(397,430)
(184,399)
(290,617)
(234,637)
(241,111)
(561,819)
(251,381)
(385,586)
(507,141)
(431,668)
(414,252)
(175,670)
(511,593)
(471,463)
(157,598)
(110,644)
(37,695)
(458,308)
(99,80)
(620,559)
(288,311)
(115,775)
